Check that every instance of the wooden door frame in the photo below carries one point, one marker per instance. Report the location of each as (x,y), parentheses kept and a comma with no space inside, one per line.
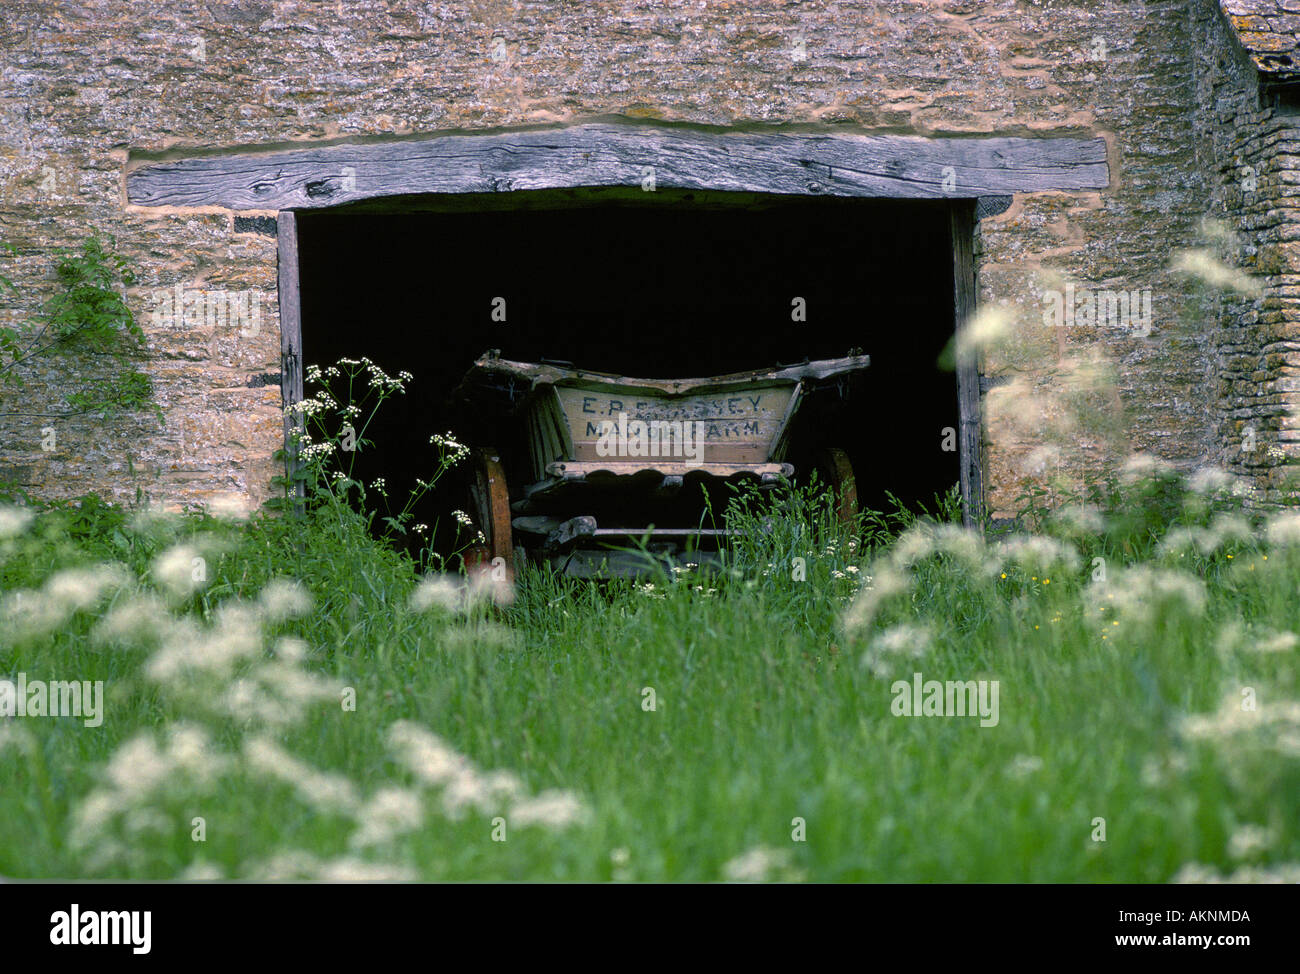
(970,430)
(291,360)
(970,441)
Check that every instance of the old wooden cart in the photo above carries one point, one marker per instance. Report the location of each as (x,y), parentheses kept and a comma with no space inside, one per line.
(607,469)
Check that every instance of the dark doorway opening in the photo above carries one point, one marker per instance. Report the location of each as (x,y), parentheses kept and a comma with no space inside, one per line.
(656,285)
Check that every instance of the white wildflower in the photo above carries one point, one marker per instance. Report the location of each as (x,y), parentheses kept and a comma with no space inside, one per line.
(1275,722)
(1248,840)
(14,520)
(283,598)
(1023,765)
(28,613)
(81,588)
(897,644)
(451,452)
(989,327)
(349,870)
(553,809)
(870,598)
(1143,594)
(325,791)
(760,864)
(1080,520)
(1282,642)
(962,544)
(484,585)
(1284,529)
(202,872)
(439,591)
(1204,265)
(1287,873)
(16,736)
(234,636)
(180,570)
(286,866)
(1144,467)
(1210,480)
(1040,554)
(291,649)
(389,813)
(425,754)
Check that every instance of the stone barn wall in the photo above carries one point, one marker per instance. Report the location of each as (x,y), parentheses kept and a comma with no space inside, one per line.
(1249,149)
(89,88)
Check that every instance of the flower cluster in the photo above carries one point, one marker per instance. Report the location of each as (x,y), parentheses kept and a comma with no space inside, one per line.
(29,614)
(377,377)
(900,644)
(450,450)
(455,594)
(760,865)
(242,706)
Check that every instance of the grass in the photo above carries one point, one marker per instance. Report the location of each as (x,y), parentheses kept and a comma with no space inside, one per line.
(1119,701)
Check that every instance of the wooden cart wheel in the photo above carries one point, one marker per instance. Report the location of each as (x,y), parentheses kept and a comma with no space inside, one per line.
(491,501)
(836,472)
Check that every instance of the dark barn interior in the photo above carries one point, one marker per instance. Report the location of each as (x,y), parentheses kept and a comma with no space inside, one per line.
(657,285)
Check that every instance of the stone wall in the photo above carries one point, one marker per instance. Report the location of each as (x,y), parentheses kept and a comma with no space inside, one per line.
(89,87)
(1250,153)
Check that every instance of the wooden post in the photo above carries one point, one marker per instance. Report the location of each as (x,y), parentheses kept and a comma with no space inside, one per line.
(970,437)
(290,347)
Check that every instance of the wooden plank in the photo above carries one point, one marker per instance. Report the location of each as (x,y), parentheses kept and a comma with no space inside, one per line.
(734,428)
(541,524)
(552,374)
(969,439)
(579,480)
(552,449)
(592,563)
(655,532)
(660,467)
(291,386)
(781,444)
(536,443)
(571,531)
(560,424)
(492,495)
(605,154)
(571,198)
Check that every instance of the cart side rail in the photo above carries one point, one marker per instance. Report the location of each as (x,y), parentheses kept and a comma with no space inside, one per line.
(546,374)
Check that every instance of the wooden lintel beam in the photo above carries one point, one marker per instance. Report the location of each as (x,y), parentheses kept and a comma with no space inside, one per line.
(602,154)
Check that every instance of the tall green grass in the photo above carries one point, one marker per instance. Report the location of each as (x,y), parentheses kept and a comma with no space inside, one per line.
(684,727)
